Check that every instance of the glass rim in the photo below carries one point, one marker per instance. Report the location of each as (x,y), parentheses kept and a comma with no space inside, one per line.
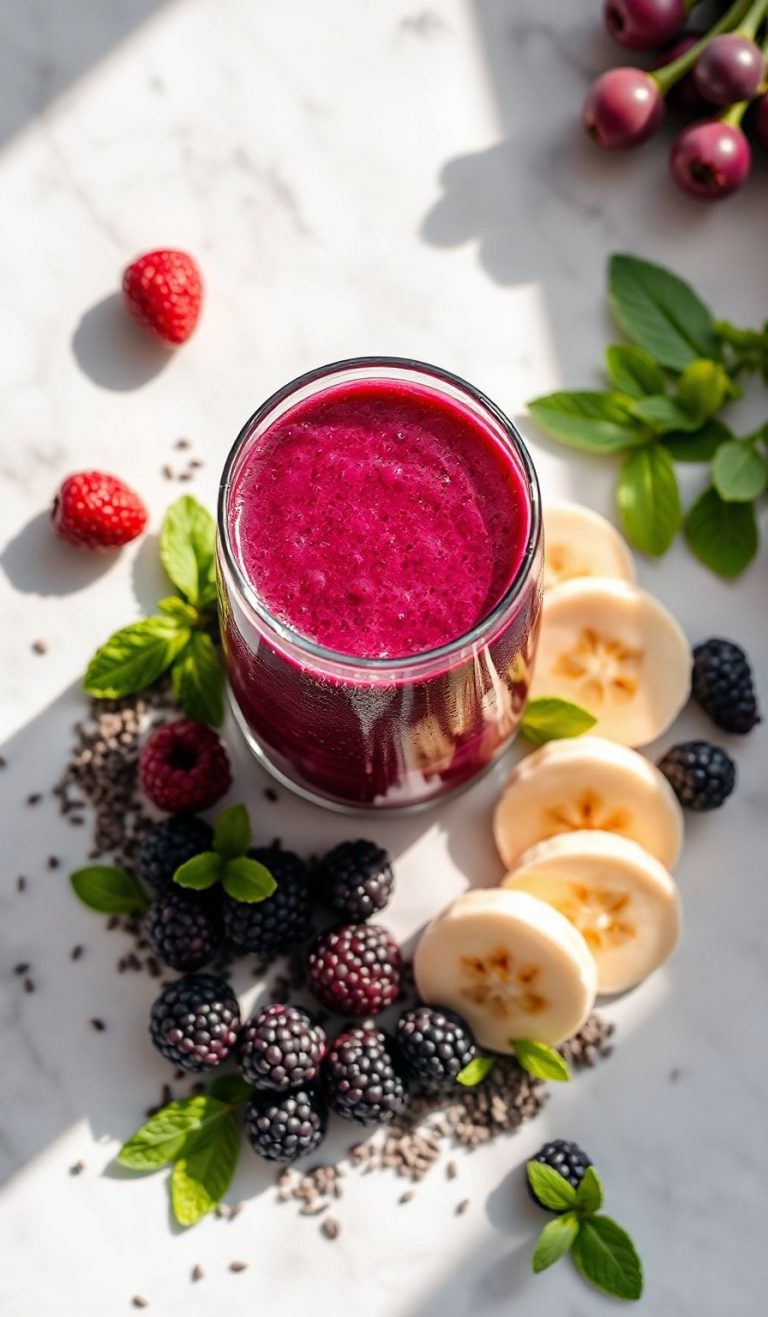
(478,632)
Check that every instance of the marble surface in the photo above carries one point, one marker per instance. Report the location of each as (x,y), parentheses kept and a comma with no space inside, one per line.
(399,177)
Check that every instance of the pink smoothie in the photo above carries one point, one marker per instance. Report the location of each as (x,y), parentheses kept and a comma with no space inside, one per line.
(379,519)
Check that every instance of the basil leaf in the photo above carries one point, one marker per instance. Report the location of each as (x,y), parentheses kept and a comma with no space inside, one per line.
(248,880)
(188,550)
(541,1060)
(606,1256)
(648,498)
(552,719)
(664,414)
(703,388)
(589,1195)
(550,1187)
(555,1241)
(723,536)
(200,872)
(476,1071)
(698,446)
(739,472)
(161,1139)
(232,1089)
(204,1171)
(198,680)
(176,608)
(594,422)
(661,312)
(633,370)
(232,834)
(134,657)
(108,890)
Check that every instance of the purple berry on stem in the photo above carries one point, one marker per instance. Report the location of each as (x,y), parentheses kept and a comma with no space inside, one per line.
(643,24)
(729,69)
(623,108)
(710,160)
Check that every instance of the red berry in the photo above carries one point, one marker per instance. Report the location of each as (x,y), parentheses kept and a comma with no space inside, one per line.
(710,160)
(163,291)
(355,969)
(623,108)
(642,24)
(729,69)
(95,511)
(184,766)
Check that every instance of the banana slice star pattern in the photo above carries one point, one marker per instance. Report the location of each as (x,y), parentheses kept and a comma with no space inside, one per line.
(621,899)
(511,965)
(616,651)
(579,542)
(588,783)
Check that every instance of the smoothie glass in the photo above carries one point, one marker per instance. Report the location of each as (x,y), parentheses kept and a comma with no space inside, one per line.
(370,732)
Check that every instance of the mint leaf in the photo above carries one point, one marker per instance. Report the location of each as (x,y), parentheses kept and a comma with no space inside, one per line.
(723,535)
(633,370)
(188,550)
(476,1071)
(232,1089)
(550,1187)
(552,719)
(182,613)
(739,472)
(198,680)
(661,312)
(698,446)
(664,414)
(703,388)
(540,1060)
(162,1137)
(555,1240)
(108,890)
(134,657)
(606,1256)
(200,872)
(248,880)
(232,834)
(648,499)
(594,422)
(204,1171)
(589,1195)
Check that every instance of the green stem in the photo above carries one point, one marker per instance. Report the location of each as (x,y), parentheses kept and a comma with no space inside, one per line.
(667,76)
(734,114)
(753,19)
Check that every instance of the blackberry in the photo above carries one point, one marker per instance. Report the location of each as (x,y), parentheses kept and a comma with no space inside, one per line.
(281,1048)
(361,1077)
(285,1126)
(183,931)
(356,880)
(434,1045)
(195,1021)
(277,924)
(355,969)
(169,844)
(701,775)
(723,686)
(567,1158)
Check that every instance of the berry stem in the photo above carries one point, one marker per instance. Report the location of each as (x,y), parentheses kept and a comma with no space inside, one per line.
(754,17)
(734,114)
(666,76)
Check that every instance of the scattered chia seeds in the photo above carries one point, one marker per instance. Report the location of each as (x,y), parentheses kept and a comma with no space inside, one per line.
(331,1228)
(98,1025)
(35,798)
(77,1169)
(39,646)
(238,1266)
(29,985)
(21,883)
(53,861)
(76,953)
(22,967)
(462,1207)
(139,1301)
(271,795)
(197,1272)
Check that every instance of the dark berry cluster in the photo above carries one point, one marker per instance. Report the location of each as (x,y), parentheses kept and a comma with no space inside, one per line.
(285,918)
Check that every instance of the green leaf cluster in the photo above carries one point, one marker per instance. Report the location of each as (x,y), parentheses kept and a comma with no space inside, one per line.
(182,636)
(668,386)
(242,878)
(601,1249)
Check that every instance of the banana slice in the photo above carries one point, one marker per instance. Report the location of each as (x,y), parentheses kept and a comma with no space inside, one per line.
(623,902)
(511,965)
(588,782)
(616,651)
(579,542)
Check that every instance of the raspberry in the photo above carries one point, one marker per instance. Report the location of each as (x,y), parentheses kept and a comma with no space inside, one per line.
(355,969)
(182,931)
(163,291)
(281,1048)
(169,844)
(93,510)
(356,880)
(567,1158)
(434,1045)
(277,924)
(723,685)
(184,766)
(283,1127)
(701,775)
(361,1078)
(195,1021)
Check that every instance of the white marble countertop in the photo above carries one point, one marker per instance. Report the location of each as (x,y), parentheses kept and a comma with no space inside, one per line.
(354,177)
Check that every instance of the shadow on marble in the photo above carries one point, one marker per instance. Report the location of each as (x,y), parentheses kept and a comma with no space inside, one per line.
(35,562)
(113,351)
(148,580)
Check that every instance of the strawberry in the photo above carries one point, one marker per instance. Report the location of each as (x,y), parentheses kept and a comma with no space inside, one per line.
(163,291)
(96,511)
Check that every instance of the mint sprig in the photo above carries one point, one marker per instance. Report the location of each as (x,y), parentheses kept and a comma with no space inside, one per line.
(541,1061)
(602,1251)
(476,1071)
(551,719)
(243,878)
(108,890)
(181,638)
